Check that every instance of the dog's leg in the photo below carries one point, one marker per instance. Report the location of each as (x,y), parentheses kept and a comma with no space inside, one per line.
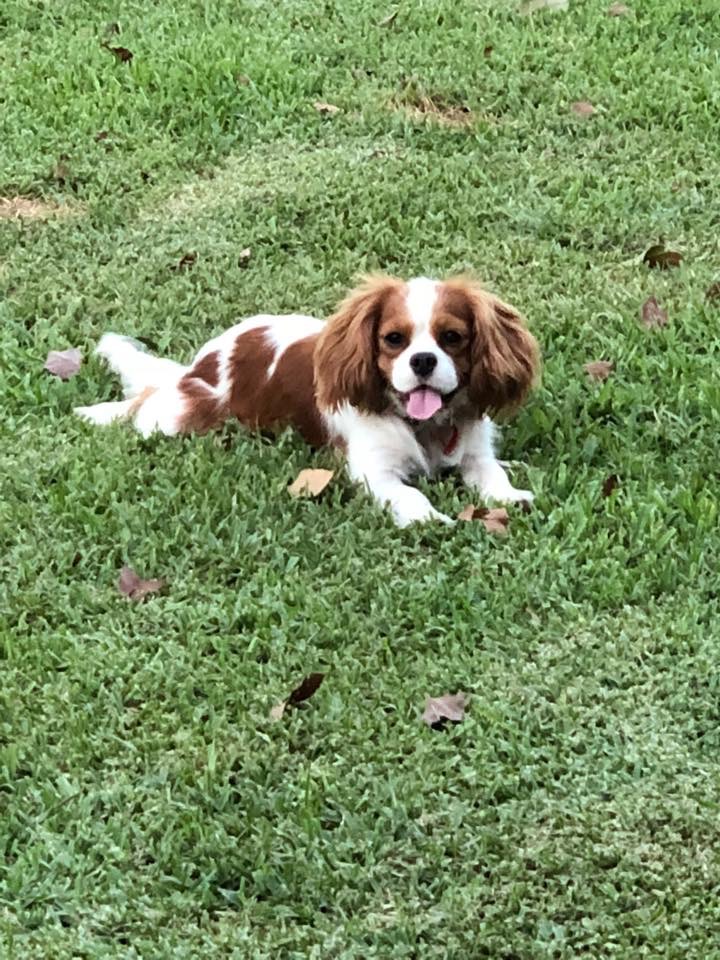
(480,469)
(381,453)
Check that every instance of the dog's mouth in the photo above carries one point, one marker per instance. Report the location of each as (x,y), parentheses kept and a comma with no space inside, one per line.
(422,403)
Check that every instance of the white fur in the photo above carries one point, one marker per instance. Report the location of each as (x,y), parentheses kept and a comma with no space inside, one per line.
(420,300)
(383,451)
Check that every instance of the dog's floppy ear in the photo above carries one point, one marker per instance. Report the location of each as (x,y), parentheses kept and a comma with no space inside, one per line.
(346,368)
(504,354)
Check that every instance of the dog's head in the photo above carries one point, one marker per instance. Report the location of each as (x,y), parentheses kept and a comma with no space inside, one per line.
(415,346)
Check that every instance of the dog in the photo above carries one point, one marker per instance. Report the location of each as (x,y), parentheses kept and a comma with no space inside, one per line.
(403,379)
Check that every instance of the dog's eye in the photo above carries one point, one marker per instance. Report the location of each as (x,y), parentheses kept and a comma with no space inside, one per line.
(394,339)
(451,338)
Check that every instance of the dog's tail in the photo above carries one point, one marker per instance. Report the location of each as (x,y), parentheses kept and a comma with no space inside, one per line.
(150,386)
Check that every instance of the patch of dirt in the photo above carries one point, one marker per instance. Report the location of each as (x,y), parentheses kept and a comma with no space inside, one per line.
(437,109)
(27,208)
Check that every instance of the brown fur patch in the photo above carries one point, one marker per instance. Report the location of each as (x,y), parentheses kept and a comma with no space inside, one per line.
(346,357)
(207,369)
(504,359)
(286,398)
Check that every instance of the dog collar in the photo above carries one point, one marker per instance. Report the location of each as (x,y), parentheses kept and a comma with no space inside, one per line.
(451,442)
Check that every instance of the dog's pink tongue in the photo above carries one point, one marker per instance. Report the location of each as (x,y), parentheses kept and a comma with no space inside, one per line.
(423,403)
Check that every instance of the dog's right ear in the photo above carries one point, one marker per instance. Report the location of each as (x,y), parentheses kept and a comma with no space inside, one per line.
(346,369)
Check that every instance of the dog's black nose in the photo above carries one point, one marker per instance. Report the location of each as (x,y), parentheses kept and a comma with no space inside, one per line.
(423,364)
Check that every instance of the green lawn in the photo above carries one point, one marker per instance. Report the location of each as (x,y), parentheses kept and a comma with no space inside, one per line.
(149,806)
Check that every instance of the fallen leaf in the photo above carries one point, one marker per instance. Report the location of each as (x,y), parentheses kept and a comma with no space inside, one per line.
(652,314)
(102,135)
(494,520)
(532,6)
(133,586)
(303,691)
(610,484)
(618,10)
(244,257)
(185,262)
(122,54)
(713,291)
(657,257)
(310,483)
(328,108)
(450,706)
(599,369)
(64,363)
(390,18)
(242,80)
(582,108)
(487,51)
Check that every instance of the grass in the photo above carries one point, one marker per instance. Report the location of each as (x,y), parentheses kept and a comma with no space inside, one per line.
(150,807)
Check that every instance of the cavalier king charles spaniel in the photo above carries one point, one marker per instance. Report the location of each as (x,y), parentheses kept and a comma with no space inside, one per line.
(403,379)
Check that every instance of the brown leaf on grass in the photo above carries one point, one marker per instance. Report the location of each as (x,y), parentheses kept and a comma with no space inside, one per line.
(618,10)
(303,691)
(582,108)
(310,483)
(133,586)
(652,314)
(102,135)
(185,262)
(599,369)
(242,79)
(64,363)
(327,108)
(487,51)
(121,54)
(658,258)
(610,484)
(495,520)
(244,257)
(713,291)
(450,706)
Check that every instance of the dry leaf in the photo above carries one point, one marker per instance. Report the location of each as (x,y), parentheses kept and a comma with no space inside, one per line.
(185,262)
(328,108)
(532,6)
(657,257)
(244,257)
(122,54)
(599,369)
(64,363)
(102,135)
(582,108)
(487,51)
(494,520)
(618,10)
(390,18)
(134,587)
(242,80)
(310,483)
(610,484)
(652,314)
(303,691)
(713,291)
(450,706)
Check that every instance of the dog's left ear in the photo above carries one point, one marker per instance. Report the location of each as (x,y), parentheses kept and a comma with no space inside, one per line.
(505,358)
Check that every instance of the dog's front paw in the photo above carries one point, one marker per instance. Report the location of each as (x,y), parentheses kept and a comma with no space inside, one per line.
(516,496)
(414,507)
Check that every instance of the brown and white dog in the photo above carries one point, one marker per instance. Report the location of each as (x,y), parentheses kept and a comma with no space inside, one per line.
(402,378)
